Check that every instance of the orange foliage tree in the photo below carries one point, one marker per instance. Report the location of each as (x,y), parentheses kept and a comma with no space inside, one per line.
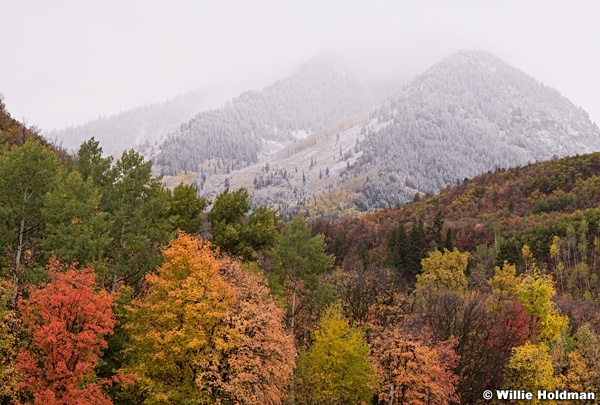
(66,321)
(207,332)
(260,355)
(413,372)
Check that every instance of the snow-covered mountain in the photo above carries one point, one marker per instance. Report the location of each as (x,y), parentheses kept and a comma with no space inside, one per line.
(468,114)
(256,124)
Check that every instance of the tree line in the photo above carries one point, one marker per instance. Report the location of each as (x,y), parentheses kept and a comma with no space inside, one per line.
(115,289)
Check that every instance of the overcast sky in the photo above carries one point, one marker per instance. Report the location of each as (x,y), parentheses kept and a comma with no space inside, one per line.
(66,62)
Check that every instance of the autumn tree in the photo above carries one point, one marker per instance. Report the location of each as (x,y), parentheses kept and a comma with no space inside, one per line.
(466,320)
(535,292)
(171,329)
(258,355)
(442,271)
(335,369)
(206,332)
(579,376)
(583,369)
(510,326)
(66,321)
(530,368)
(9,377)
(504,283)
(414,373)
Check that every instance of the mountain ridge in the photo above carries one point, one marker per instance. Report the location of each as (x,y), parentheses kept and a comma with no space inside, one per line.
(139,127)
(467,114)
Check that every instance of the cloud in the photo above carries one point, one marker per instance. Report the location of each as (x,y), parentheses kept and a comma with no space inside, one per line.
(67,62)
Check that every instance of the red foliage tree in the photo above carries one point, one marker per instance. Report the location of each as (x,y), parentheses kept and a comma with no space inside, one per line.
(67,321)
(511,328)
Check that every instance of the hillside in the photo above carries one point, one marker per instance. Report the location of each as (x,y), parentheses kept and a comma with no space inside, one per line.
(501,210)
(521,234)
(492,281)
(141,127)
(14,133)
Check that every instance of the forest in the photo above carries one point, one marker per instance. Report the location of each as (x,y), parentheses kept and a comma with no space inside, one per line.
(116,289)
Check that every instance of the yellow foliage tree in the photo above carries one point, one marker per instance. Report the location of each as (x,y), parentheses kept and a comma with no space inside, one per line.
(442,272)
(530,368)
(505,282)
(335,370)
(535,292)
(207,332)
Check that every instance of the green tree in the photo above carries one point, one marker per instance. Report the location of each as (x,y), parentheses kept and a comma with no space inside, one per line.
(76,229)
(398,250)
(416,250)
(27,173)
(236,232)
(91,164)
(335,370)
(298,261)
(138,205)
(187,208)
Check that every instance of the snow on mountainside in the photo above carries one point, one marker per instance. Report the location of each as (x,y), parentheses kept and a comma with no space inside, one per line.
(256,124)
(468,114)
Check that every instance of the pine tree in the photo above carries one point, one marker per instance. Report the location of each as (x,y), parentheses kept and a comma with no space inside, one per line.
(298,261)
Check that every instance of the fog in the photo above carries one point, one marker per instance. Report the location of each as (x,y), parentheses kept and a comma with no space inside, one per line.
(64,62)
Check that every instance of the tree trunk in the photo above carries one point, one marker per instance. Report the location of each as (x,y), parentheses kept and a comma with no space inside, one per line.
(293,323)
(18,264)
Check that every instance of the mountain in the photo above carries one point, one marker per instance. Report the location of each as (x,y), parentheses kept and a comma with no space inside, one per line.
(139,127)
(256,124)
(468,114)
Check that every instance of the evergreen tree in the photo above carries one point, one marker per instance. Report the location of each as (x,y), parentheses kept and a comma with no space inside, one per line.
(416,240)
(399,251)
(298,261)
